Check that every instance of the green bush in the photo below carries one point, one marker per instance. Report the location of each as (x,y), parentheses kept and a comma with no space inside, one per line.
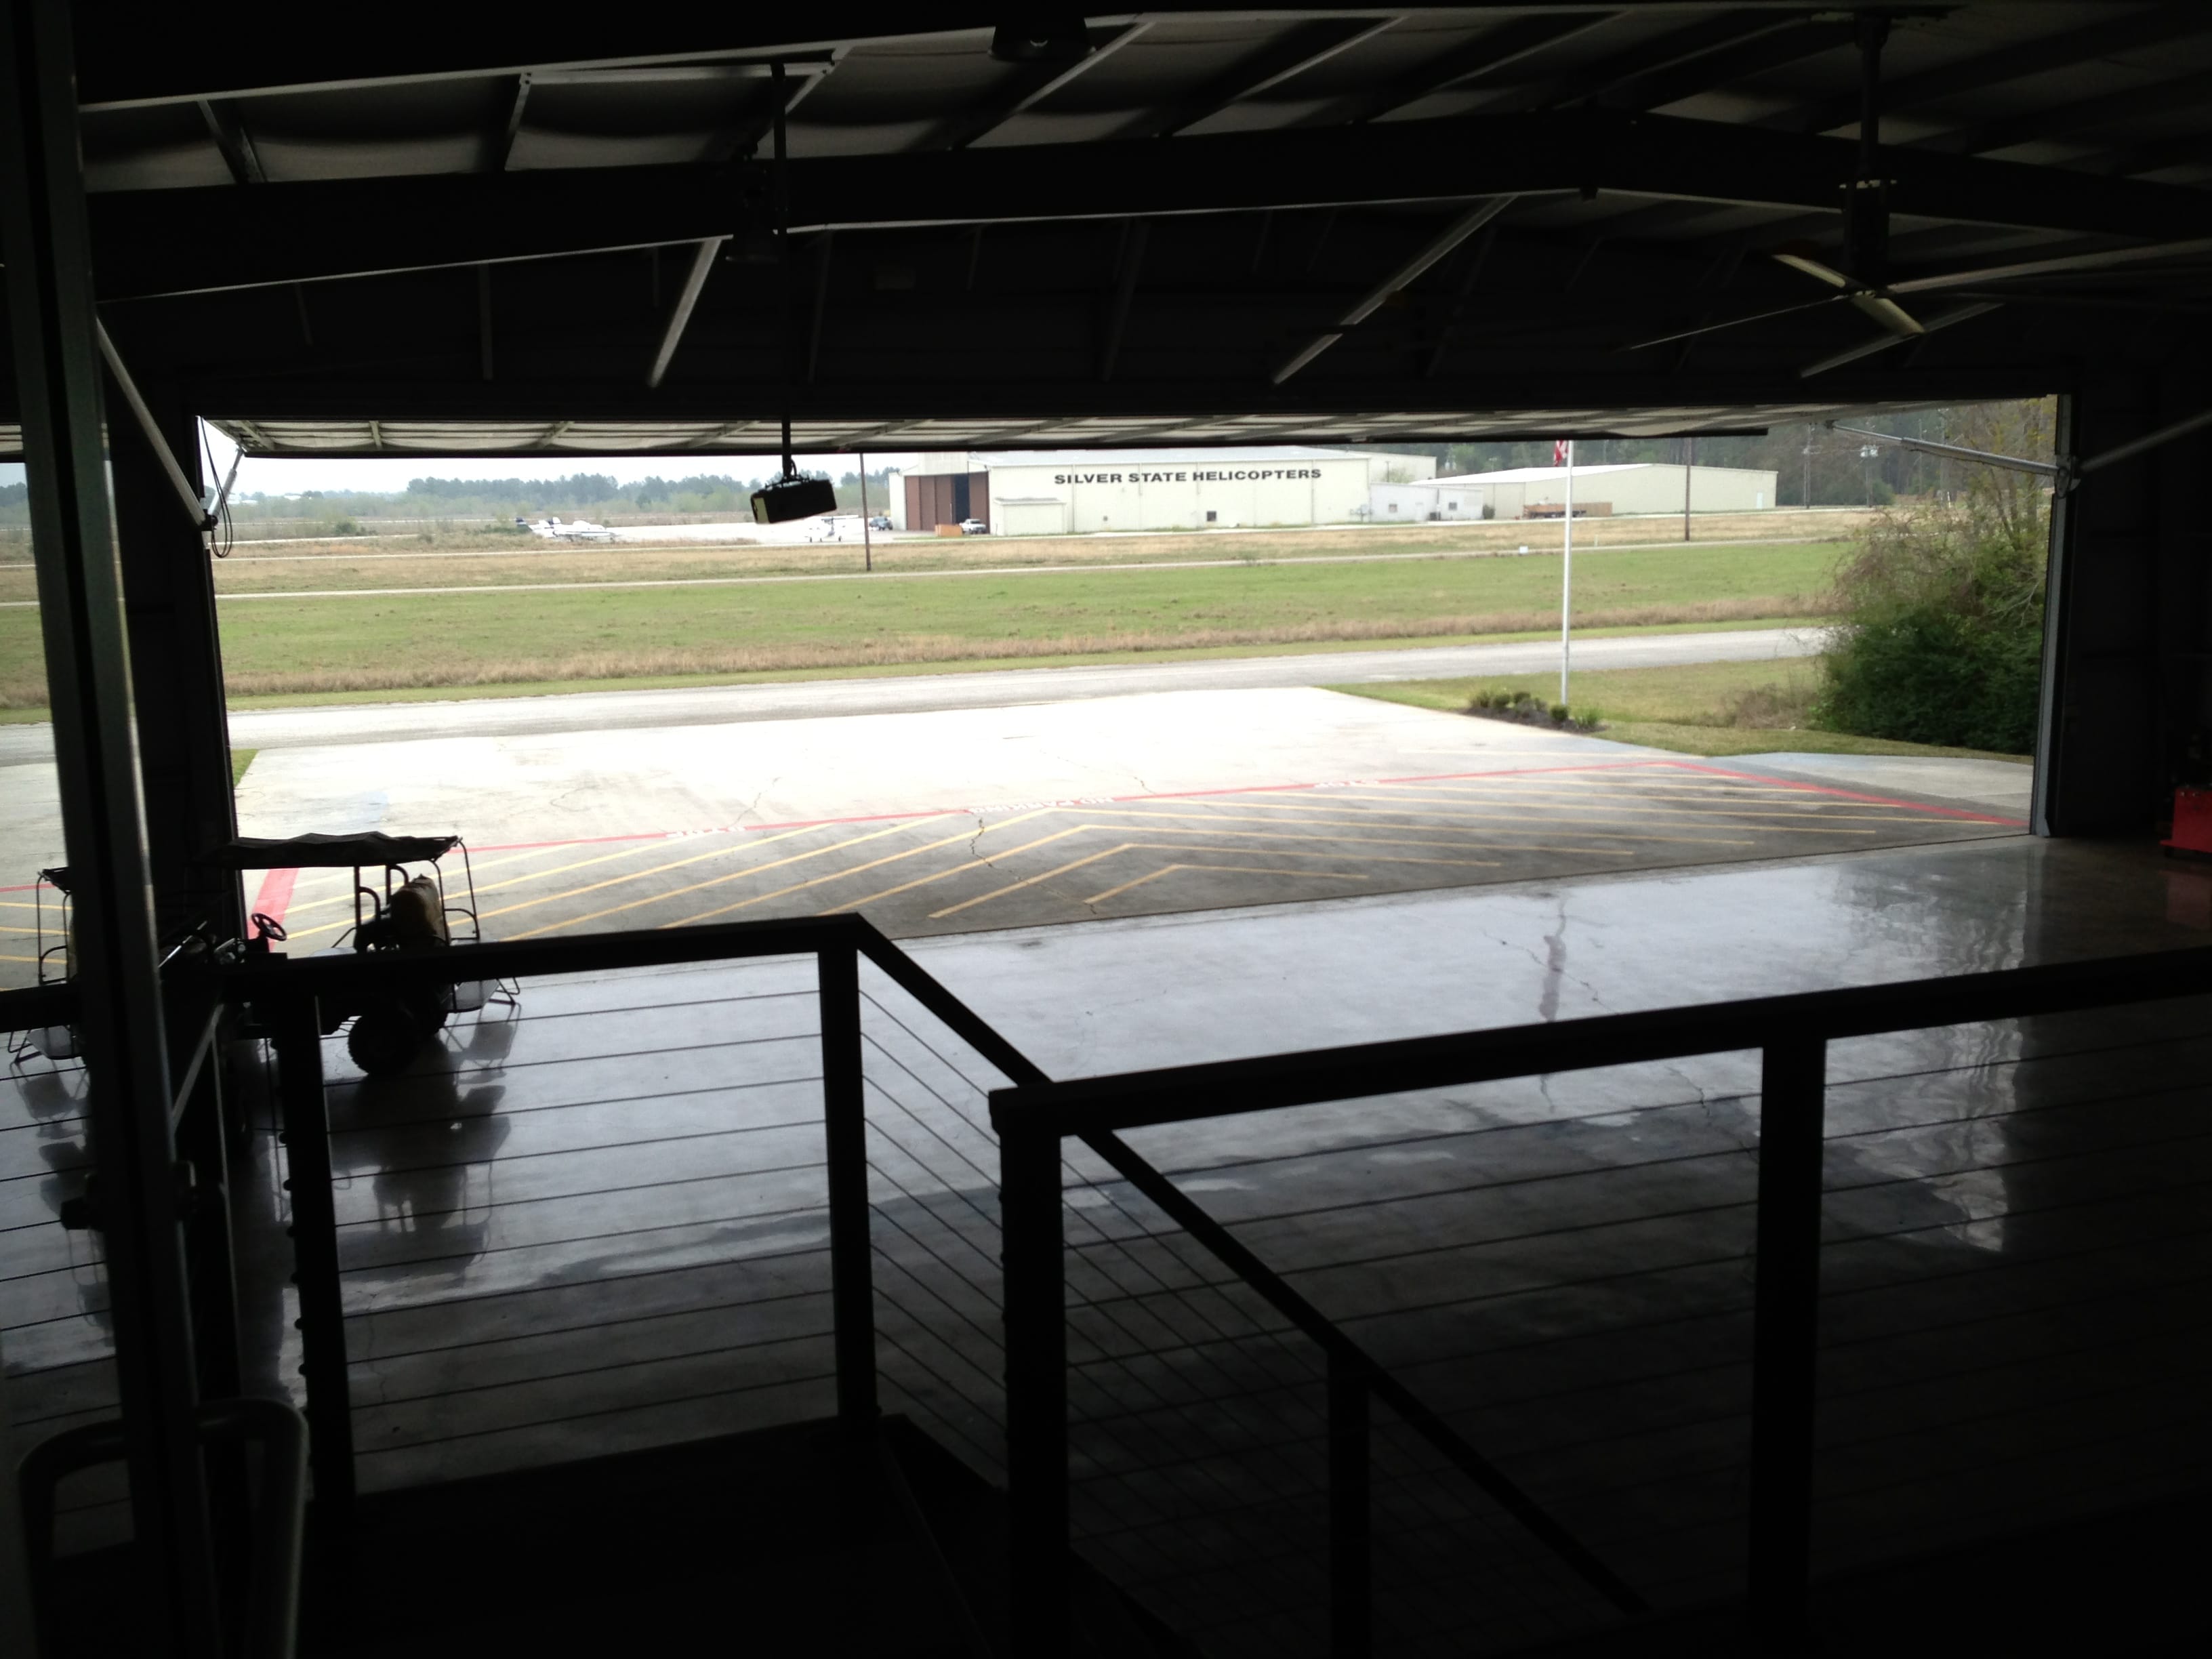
(1941,640)
(1929,676)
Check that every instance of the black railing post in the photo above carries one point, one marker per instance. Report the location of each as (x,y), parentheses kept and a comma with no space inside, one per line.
(315,1252)
(1351,1523)
(1037,1386)
(1793,1089)
(845,1136)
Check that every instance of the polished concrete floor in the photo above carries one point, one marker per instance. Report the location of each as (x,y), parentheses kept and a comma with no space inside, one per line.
(596,1220)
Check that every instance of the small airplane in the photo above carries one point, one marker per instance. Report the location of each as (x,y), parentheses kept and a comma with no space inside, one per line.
(575,530)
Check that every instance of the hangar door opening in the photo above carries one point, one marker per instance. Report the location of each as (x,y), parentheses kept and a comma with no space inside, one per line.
(607,680)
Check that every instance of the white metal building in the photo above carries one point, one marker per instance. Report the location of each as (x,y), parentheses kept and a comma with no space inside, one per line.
(1620,487)
(1399,502)
(1045,493)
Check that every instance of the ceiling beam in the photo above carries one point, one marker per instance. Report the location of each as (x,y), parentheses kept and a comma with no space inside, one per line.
(174,241)
(1465,66)
(499,148)
(1400,278)
(2188,92)
(2147,26)
(122,68)
(1523,401)
(743,137)
(128,68)
(232,138)
(679,314)
(1302,48)
(2153,155)
(1027,86)
(1735,59)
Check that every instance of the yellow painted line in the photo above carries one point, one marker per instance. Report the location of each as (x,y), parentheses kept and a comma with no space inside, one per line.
(733,875)
(627,852)
(29,959)
(1335,840)
(458,890)
(1016,887)
(1459,813)
(1808,809)
(32,931)
(858,869)
(971,864)
(678,864)
(1614,814)
(723,851)
(1233,869)
(1248,834)
(1178,847)
(1239,817)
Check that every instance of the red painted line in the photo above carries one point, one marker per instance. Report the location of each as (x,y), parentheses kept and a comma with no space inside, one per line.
(32,887)
(276,895)
(1853,795)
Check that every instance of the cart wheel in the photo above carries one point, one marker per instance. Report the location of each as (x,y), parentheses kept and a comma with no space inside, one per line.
(384,1038)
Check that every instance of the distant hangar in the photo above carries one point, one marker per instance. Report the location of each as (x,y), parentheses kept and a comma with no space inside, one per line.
(1061,492)
(1072,492)
(1617,486)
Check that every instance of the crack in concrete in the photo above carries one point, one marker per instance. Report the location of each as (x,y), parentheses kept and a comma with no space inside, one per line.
(1707,1101)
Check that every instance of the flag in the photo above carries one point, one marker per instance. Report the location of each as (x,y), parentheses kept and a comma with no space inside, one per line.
(1558,452)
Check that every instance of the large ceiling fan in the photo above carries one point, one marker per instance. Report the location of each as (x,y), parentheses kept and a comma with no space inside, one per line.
(1860,277)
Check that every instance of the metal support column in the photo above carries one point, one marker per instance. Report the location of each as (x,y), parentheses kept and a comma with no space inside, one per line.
(845,1135)
(53,329)
(176,672)
(1351,1522)
(1036,1388)
(314,1231)
(1793,1089)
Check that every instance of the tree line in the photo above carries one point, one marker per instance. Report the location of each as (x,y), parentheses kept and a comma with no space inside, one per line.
(1812,466)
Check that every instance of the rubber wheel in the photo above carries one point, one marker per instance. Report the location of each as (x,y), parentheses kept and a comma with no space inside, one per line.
(384,1038)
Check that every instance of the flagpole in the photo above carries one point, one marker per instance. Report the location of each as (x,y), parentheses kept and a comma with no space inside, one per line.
(1567,574)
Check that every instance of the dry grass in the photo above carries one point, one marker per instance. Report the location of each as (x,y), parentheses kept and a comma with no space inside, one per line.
(943,648)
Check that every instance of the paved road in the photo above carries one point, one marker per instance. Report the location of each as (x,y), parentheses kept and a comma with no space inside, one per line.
(603,711)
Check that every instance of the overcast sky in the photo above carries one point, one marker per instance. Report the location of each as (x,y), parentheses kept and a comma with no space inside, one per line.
(264,477)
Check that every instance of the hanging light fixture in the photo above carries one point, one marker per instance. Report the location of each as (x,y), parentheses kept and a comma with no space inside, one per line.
(793,495)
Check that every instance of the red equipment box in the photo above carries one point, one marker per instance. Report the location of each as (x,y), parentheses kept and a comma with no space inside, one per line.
(2192,822)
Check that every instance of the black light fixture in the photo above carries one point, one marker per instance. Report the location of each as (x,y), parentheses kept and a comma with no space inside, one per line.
(794,496)
(1041,40)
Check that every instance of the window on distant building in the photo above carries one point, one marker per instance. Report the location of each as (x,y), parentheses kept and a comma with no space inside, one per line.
(1211,515)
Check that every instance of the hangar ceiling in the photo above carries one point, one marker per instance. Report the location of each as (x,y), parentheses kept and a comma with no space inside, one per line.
(1178,224)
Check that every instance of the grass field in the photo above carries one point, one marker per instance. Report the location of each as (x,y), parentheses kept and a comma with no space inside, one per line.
(485,558)
(494,639)
(1705,708)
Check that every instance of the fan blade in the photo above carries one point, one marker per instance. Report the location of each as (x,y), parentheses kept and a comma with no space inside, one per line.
(2119,256)
(1733,322)
(1812,267)
(1867,349)
(1887,312)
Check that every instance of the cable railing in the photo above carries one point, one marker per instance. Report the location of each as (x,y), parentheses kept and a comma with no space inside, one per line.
(708,1174)
(1719,1444)
(1150,1307)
